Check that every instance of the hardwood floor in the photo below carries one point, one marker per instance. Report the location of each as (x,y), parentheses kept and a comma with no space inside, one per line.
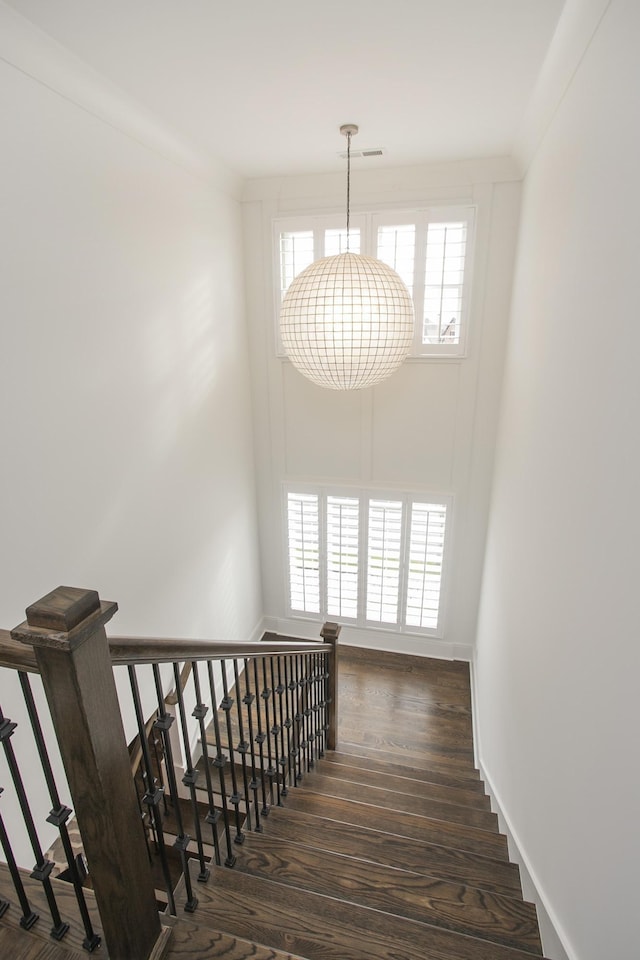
(387,850)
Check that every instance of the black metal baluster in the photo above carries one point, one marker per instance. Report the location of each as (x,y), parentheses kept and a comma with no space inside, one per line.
(243,746)
(313,705)
(326,693)
(248,701)
(219,762)
(235,797)
(288,721)
(307,712)
(163,724)
(317,705)
(200,712)
(260,738)
(300,744)
(275,732)
(153,794)
(266,693)
(42,869)
(190,777)
(321,705)
(284,756)
(28,917)
(59,815)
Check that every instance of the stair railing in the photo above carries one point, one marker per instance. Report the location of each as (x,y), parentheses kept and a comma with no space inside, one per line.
(273,712)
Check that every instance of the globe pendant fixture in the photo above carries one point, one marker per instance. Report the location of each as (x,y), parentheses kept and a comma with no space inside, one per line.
(346,321)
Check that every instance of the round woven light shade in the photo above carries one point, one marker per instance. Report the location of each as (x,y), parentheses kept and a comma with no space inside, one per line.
(347,321)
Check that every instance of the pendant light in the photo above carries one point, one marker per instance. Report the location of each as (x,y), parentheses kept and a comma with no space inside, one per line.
(346,321)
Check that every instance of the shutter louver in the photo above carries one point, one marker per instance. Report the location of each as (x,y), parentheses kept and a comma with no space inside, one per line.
(304,552)
(424,574)
(444,277)
(384,550)
(296,253)
(396,248)
(342,556)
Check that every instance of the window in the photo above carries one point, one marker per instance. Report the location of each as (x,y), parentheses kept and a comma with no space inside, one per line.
(364,558)
(431,249)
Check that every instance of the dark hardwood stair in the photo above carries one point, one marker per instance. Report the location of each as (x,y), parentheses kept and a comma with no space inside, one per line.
(388,848)
(320,927)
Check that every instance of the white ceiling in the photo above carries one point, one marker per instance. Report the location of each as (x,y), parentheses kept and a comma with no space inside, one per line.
(265,84)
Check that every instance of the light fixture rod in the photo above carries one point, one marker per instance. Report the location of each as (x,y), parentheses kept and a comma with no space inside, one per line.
(348,130)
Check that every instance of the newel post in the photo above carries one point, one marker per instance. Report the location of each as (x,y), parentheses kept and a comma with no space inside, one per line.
(66,630)
(330,633)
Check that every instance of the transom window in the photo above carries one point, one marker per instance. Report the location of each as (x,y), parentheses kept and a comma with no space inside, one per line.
(365,558)
(431,250)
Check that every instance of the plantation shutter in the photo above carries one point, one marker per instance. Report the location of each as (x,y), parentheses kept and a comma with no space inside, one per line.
(296,253)
(384,551)
(342,518)
(424,574)
(303,530)
(396,248)
(444,277)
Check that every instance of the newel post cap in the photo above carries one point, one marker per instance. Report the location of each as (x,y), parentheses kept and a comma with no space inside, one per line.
(330,631)
(64,618)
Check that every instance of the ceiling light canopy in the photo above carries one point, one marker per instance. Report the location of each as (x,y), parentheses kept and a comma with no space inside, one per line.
(346,321)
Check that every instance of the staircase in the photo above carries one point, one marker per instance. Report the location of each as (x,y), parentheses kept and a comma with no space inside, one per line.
(387,849)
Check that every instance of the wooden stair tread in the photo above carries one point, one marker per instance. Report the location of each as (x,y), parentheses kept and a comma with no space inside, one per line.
(193,941)
(21,945)
(410,825)
(453,906)
(351,757)
(323,928)
(366,744)
(391,800)
(406,785)
(67,905)
(383,846)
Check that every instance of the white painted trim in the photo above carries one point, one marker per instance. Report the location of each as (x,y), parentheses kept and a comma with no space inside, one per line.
(391,184)
(374,638)
(37,55)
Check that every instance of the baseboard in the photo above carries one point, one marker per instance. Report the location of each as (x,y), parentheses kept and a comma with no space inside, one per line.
(375,639)
(555,942)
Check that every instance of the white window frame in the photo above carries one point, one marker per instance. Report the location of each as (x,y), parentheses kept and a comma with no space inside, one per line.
(367,223)
(365,494)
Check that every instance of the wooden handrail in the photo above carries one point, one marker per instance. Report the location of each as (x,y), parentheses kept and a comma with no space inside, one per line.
(16,655)
(127,651)
(138,650)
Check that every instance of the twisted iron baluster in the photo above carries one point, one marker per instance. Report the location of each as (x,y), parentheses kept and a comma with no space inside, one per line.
(28,917)
(59,815)
(42,869)
(243,746)
(284,755)
(265,695)
(163,724)
(190,777)
(275,730)
(153,794)
(235,798)
(260,738)
(287,720)
(248,701)
(219,762)
(299,719)
(200,712)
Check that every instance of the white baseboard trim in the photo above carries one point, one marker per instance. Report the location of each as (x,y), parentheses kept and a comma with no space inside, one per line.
(555,942)
(375,639)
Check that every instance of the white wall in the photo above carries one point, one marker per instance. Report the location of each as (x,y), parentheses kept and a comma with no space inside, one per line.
(431,426)
(558,655)
(125,413)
